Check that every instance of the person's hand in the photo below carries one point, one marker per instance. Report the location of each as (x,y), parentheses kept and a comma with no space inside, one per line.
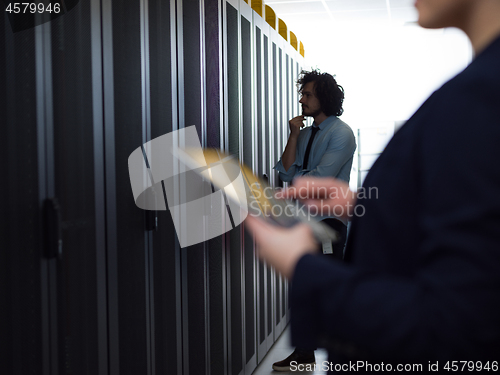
(295,125)
(281,247)
(324,195)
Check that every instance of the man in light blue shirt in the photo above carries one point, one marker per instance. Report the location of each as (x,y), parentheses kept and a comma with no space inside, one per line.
(331,152)
(324,149)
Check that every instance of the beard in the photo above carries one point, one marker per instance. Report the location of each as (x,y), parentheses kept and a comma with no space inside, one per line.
(307,112)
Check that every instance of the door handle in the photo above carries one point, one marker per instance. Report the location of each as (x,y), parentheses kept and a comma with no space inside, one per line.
(52,228)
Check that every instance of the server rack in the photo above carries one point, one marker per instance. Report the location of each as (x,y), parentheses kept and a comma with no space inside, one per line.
(261,28)
(80,94)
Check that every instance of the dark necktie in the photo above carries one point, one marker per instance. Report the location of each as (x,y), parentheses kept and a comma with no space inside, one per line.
(308,148)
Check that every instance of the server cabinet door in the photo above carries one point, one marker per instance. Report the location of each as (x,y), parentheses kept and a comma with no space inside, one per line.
(276,140)
(191,63)
(260,168)
(21,206)
(53,125)
(79,187)
(269,149)
(214,133)
(234,250)
(249,261)
(165,274)
(128,242)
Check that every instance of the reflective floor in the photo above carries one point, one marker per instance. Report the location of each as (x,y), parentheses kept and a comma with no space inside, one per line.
(282,349)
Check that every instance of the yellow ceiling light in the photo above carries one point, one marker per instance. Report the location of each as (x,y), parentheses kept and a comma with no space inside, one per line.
(257,6)
(270,17)
(282,29)
(293,40)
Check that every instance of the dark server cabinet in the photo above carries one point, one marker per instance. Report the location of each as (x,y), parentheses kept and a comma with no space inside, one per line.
(247,119)
(234,251)
(54,258)
(276,139)
(268,150)
(76,156)
(260,123)
(166,339)
(216,252)
(90,283)
(290,87)
(130,243)
(193,258)
(144,295)
(22,270)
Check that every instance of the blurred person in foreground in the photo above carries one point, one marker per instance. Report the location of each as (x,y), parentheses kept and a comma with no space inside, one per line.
(422,281)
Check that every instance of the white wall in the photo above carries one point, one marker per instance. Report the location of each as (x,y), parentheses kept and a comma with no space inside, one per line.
(387,71)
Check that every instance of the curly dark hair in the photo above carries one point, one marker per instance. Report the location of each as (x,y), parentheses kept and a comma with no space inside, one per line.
(328,92)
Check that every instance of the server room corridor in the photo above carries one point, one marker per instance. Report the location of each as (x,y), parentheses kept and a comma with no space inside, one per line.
(93,282)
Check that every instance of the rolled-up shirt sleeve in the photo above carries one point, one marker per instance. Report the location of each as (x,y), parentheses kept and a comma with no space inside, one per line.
(296,167)
(288,175)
